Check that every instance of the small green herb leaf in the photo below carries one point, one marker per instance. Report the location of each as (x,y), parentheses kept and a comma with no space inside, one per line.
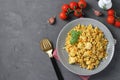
(74,36)
(104,7)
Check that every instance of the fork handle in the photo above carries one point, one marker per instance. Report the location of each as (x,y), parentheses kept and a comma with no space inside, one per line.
(56,68)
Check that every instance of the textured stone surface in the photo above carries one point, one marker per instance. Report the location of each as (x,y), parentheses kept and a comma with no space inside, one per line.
(23,23)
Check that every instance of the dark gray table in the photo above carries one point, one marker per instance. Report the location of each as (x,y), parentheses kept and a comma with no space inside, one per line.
(23,23)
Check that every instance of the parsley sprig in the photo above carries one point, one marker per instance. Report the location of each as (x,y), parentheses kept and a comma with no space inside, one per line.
(74,36)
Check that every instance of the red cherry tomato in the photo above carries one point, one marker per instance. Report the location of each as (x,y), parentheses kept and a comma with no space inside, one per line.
(73,5)
(111,19)
(78,13)
(63,15)
(65,7)
(82,4)
(111,12)
(117,23)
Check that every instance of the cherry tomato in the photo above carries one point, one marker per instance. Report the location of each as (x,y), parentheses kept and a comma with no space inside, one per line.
(111,12)
(63,15)
(78,13)
(65,7)
(73,5)
(82,4)
(111,19)
(117,23)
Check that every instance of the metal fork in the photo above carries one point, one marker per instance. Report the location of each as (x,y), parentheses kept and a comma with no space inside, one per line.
(46,46)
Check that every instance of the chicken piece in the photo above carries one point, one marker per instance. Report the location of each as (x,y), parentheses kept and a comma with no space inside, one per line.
(88,45)
(72,60)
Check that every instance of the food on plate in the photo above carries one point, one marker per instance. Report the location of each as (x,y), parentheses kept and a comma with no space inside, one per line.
(86,46)
(74,36)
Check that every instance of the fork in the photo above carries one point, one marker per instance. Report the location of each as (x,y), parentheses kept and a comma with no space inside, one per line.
(46,46)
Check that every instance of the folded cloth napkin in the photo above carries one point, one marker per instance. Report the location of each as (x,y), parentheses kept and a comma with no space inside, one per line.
(56,57)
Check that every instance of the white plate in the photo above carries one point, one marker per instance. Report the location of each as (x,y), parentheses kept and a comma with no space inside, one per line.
(63,55)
